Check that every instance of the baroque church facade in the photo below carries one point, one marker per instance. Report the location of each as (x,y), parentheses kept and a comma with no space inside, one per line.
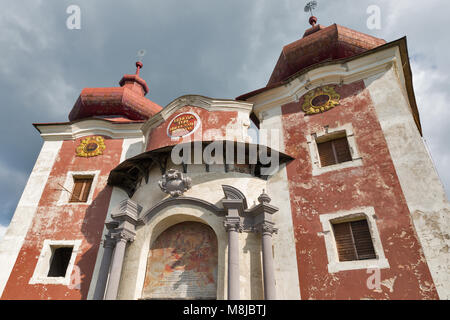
(335,196)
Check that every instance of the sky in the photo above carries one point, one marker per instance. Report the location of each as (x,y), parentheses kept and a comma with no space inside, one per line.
(215,48)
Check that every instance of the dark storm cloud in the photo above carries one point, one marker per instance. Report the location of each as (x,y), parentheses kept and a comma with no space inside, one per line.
(215,48)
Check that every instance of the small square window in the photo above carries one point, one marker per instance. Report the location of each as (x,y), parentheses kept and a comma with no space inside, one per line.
(81,188)
(353,240)
(334,151)
(59,261)
(56,262)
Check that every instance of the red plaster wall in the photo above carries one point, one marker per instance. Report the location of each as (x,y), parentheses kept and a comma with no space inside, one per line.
(213,127)
(375,184)
(66,222)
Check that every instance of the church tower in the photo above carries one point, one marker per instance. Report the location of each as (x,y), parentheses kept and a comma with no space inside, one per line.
(61,214)
(364,193)
(338,198)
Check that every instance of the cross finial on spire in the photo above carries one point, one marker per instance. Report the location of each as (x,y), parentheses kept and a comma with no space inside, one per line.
(310,6)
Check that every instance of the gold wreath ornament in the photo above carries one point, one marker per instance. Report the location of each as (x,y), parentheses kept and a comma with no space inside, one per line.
(320,100)
(91,147)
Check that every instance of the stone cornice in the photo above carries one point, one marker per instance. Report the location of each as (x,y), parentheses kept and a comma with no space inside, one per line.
(233,224)
(262,208)
(77,129)
(128,210)
(124,235)
(236,204)
(265,228)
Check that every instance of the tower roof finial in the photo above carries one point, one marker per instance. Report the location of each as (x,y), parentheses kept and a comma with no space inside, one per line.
(139,65)
(310,6)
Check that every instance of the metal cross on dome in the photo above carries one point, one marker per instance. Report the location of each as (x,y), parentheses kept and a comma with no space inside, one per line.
(310,6)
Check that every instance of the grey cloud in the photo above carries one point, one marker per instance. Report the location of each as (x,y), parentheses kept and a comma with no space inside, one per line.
(214,48)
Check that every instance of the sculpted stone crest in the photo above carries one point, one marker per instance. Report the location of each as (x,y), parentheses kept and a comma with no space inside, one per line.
(174,183)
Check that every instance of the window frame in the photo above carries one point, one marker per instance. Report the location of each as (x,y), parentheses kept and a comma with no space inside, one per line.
(67,189)
(82,191)
(327,134)
(53,263)
(334,264)
(40,274)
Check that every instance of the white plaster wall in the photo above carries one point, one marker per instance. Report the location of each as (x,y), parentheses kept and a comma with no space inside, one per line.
(271,122)
(208,187)
(423,190)
(117,196)
(23,216)
(250,266)
(285,255)
(130,148)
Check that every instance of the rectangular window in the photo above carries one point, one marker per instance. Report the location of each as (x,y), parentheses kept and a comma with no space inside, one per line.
(81,188)
(354,241)
(59,261)
(334,151)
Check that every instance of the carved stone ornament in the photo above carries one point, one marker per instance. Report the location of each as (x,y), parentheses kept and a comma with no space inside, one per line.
(266,228)
(320,100)
(91,147)
(233,224)
(174,183)
(124,235)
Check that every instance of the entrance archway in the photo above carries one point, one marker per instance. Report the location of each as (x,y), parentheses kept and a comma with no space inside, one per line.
(182,263)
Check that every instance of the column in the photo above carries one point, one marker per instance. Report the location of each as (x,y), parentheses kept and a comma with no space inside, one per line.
(233,227)
(262,222)
(268,269)
(122,229)
(116,267)
(103,273)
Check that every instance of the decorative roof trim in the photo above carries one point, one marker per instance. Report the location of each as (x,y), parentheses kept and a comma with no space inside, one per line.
(206,103)
(92,126)
(234,194)
(149,214)
(367,64)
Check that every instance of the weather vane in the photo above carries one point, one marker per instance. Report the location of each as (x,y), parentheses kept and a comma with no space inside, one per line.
(140,54)
(310,6)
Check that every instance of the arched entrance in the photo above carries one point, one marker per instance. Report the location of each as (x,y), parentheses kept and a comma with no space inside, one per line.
(182,263)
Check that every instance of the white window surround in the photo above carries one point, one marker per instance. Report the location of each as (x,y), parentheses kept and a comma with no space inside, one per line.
(325,133)
(68,187)
(334,265)
(43,264)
